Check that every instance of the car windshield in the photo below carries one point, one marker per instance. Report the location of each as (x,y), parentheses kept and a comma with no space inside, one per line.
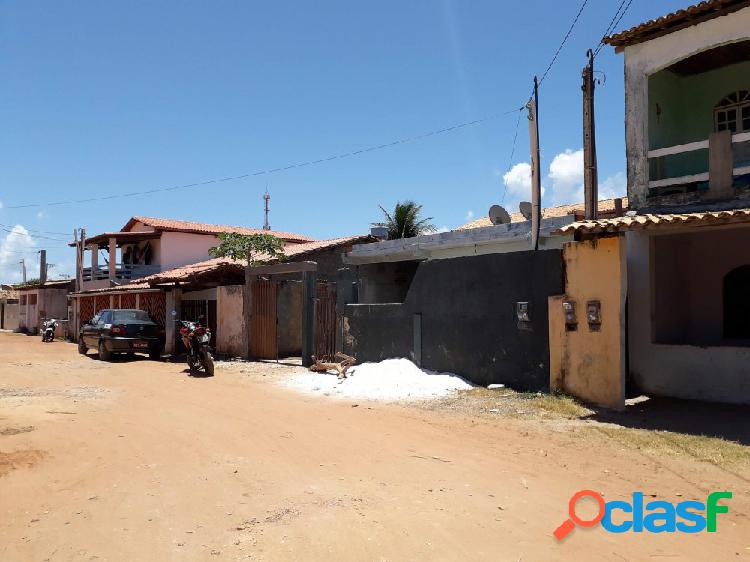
(131,316)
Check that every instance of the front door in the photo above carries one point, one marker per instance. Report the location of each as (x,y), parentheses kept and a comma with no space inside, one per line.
(263,323)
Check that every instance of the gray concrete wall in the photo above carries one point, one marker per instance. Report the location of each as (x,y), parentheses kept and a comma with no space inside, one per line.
(10,312)
(229,321)
(468,319)
(385,282)
(680,353)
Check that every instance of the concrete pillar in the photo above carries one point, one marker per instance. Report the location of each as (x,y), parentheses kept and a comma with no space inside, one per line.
(112,259)
(720,166)
(174,299)
(94,249)
(308,316)
(247,312)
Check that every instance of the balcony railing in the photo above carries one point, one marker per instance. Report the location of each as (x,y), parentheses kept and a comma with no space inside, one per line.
(123,272)
(740,162)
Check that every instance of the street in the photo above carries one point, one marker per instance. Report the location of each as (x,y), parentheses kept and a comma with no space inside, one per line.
(136,460)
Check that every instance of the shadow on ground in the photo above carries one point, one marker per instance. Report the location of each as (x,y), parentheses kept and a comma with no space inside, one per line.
(727,421)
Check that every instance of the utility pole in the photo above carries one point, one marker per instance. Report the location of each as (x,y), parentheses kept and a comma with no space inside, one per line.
(42,267)
(267,199)
(536,179)
(23,269)
(590,176)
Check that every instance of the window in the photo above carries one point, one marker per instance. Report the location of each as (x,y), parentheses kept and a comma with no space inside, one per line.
(104,317)
(32,299)
(123,316)
(733,112)
(737,304)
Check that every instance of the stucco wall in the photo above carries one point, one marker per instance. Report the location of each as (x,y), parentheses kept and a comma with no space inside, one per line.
(10,316)
(468,318)
(181,248)
(645,59)
(697,371)
(590,363)
(229,337)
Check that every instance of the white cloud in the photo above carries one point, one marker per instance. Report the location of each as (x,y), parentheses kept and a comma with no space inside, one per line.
(469,215)
(16,244)
(614,186)
(566,175)
(41,215)
(518,183)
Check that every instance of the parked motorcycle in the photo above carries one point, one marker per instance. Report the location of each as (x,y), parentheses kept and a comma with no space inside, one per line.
(48,330)
(197,338)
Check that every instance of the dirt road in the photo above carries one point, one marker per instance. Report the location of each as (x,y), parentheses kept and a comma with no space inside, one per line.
(134,460)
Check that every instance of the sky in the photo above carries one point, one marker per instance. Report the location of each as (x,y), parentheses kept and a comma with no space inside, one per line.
(104,99)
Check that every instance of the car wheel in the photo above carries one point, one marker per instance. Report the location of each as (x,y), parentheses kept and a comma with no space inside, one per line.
(104,354)
(82,349)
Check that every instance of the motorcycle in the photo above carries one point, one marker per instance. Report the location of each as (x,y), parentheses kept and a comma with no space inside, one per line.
(196,339)
(48,330)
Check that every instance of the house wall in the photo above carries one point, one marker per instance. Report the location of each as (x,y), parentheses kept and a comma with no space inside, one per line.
(679,353)
(590,363)
(645,59)
(229,337)
(385,282)
(10,316)
(467,309)
(181,248)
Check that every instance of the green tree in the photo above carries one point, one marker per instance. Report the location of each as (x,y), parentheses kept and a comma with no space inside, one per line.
(251,249)
(405,221)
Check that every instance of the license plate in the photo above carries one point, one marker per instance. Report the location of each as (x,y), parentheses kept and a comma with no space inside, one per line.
(140,344)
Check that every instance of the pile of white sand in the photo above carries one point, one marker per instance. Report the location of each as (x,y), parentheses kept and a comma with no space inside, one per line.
(392,379)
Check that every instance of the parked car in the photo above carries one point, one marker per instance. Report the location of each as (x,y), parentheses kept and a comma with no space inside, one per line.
(121,331)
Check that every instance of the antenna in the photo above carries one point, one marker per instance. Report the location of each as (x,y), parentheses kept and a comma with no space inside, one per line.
(266,198)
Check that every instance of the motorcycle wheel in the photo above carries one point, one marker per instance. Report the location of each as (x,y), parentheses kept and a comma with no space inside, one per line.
(192,363)
(208,363)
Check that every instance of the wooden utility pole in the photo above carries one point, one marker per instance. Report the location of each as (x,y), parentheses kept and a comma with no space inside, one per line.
(590,176)
(42,267)
(536,178)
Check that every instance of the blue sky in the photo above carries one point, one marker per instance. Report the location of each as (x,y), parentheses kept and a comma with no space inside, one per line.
(106,98)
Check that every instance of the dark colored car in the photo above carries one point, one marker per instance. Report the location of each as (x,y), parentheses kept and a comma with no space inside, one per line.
(121,331)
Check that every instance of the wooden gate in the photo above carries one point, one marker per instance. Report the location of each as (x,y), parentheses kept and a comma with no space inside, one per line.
(325,321)
(263,329)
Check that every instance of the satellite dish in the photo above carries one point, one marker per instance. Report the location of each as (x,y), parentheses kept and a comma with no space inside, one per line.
(525,208)
(498,215)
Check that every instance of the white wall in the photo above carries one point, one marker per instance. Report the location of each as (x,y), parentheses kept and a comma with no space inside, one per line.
(701,372)
(181,248)
(644,59)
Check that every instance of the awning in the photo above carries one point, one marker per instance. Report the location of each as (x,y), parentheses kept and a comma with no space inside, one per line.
(658,221)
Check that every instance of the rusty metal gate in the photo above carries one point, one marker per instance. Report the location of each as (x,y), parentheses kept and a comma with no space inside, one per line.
(191,310)
(263,325)
(325,321)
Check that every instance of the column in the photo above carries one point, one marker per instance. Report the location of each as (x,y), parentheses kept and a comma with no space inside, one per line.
(112,259)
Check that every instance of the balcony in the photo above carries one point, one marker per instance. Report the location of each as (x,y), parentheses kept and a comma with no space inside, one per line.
(124,272)
(715,167)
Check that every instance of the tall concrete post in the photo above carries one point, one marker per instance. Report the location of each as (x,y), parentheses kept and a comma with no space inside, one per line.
(174,302)
(308,316)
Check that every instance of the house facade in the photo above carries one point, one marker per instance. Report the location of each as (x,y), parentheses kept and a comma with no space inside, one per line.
(38,301)
(147,246)
(686,275)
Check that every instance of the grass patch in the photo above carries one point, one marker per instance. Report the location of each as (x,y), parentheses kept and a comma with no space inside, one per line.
(559,404)
(714,450)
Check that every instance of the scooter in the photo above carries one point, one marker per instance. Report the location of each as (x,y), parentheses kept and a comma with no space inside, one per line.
(48,330)
(196,339)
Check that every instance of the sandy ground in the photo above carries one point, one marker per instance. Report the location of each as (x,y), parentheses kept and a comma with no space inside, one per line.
(135,460)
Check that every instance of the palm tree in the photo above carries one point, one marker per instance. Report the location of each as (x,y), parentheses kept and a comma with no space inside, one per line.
(405,222)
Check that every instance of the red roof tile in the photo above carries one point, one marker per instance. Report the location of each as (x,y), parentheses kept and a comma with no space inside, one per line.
(171,225)
(675,21)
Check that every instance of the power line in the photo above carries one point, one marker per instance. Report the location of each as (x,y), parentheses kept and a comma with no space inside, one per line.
(339,156)
(12,232)
(613,23)
(512,153)
(564,40)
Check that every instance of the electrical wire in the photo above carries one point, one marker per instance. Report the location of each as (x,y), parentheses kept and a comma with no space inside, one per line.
(512,153)
(613,23)
(339,156)
(14,232)
(564,40)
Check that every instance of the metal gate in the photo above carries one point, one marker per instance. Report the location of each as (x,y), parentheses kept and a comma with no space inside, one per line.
(263,333)
(325,321)
(192,309)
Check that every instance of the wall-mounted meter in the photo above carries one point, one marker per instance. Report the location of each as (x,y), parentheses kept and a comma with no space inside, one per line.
(571,319)
(594,315)
(523,315)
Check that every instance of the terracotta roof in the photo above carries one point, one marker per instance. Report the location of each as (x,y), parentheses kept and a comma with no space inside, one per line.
(172,225)
(647,222)
(295,251)
(132,286)
(606,206)
(675,21)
